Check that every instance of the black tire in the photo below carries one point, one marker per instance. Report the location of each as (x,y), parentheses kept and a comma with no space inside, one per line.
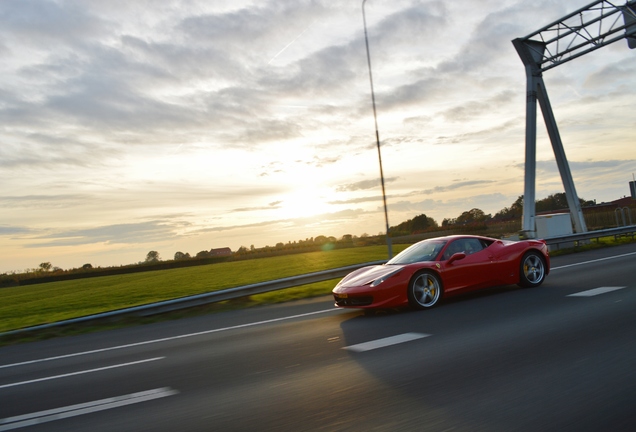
(531,270)
(425,290)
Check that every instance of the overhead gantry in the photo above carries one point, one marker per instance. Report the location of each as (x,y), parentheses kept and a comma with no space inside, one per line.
(594,26)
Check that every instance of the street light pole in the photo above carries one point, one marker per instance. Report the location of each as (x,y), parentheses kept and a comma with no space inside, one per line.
(377,135)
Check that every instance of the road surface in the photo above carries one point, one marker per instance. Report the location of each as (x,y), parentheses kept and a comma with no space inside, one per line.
(561,357)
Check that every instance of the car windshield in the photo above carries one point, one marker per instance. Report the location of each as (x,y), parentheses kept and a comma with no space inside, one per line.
(426,250)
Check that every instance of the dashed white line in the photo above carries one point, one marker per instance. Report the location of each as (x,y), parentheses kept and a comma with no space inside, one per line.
(595,291)
(79,372)
(25,420)
(381,343)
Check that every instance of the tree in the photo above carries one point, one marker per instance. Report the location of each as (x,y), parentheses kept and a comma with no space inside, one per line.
(515,211)
(152,257)
(557,201)
(471,216)
(87,266)
(416,225)
(181,256)
(554,202)
(45,266)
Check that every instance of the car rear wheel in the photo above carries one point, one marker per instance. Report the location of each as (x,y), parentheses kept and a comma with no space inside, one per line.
(425,290)
(532,271)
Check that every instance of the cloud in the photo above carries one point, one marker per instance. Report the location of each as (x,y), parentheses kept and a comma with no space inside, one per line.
(42,24)
(272,206)
(455,186)
(6,230)
(472,136)
(325,218)
(550,166)
(142,232)
(458,185)
(357,200)
(42,201)
(621,71)
(319,162)
(475,109)
(364,184)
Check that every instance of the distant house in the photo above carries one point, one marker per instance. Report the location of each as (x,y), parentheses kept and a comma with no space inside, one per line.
(220,252)
(621,202)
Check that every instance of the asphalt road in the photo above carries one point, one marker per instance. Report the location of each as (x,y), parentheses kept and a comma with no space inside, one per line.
(561,357)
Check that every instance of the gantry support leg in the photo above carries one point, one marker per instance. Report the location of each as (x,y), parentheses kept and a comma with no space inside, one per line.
(562,162)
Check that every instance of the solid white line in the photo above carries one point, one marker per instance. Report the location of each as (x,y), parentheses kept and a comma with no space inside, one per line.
(167,338)
(381,343)
(79,372)
(595,291)
(84,408)
(592,261)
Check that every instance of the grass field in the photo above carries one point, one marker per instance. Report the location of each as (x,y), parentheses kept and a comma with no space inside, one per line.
(30,305)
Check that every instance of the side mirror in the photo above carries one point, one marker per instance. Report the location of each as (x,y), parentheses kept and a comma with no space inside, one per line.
(456,257)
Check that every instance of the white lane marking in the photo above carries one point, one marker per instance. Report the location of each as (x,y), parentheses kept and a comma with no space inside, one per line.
(79,372)
(166,339)
(381,343)
(592,261)
(25,420)
(595,291)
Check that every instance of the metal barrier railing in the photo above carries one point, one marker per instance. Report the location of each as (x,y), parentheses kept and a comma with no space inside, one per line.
(590,235)
(207,298)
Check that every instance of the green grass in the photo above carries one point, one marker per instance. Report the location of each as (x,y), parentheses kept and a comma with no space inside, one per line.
(31,305)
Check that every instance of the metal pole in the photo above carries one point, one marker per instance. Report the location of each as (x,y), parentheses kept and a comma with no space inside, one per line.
(529,212)
(530,53)
(377,135)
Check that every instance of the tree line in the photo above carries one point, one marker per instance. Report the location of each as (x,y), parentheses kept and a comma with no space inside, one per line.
(477,218)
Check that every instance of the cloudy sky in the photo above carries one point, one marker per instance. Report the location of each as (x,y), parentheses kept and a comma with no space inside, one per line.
(129,125)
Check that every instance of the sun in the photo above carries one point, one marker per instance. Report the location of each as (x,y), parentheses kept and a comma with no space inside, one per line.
(305,202)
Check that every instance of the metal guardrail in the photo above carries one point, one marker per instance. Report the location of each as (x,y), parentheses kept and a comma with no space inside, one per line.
(206,298)
(263,287)
(578,237)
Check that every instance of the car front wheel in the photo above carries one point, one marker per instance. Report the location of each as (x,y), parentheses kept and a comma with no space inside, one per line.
(532,271)
(425,290)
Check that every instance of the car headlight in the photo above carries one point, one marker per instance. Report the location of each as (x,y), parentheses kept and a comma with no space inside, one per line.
(378,281)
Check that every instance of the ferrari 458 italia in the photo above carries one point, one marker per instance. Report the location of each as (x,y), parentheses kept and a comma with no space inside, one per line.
(422,274)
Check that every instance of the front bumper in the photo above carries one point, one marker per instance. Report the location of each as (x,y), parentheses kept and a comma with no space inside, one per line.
(347,300)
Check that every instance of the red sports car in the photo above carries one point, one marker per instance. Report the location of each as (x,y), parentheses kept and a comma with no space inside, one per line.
(425,272)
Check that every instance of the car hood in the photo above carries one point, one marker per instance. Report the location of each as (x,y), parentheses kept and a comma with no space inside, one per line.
(366,275)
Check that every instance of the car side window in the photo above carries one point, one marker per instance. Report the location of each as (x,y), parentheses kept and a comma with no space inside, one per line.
(468,246)
(485,243)
(472,245)
(452,249)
